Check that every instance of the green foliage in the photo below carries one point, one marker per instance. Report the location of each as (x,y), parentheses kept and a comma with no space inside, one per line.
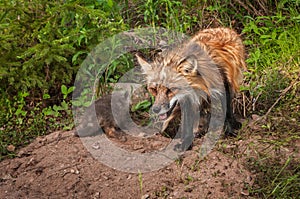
(66,91)
(143,105)
(43,42)
(20,122)
(276,179)
(272,82)
(114,72)
(42,46)
(190,16)
(273,63)
(174,15)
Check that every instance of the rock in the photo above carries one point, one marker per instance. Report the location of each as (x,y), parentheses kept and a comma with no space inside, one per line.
(146,196)
(11,148)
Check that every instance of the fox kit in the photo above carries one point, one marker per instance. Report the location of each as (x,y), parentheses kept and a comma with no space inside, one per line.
(208,64)
(101,113)
(111,112)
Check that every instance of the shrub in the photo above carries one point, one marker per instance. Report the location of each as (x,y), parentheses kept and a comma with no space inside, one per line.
(44,42)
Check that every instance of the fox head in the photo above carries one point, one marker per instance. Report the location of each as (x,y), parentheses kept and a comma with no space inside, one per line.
(167,86)
(177,73)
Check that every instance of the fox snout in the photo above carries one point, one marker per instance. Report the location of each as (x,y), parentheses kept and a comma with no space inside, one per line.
(161,109)
(164,110)
(156,109)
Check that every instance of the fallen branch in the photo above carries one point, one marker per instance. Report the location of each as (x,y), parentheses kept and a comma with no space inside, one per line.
(282,94)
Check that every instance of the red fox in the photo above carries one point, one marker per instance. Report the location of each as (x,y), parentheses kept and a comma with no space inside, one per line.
(211,63)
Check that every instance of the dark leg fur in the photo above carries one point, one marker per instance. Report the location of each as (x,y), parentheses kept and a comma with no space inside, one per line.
(230,122)
(188,117)
(204,118)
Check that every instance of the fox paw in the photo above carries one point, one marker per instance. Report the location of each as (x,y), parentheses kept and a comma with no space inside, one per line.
(181,147)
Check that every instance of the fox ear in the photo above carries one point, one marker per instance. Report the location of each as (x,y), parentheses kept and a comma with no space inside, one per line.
(146,67)
(189,66)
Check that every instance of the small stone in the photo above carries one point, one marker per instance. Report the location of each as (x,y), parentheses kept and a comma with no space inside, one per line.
(96,195)
(142,135)
(7,177)
(96,146)
(255,116)
(146,196)
(245,192)
(188,189)
(11,148)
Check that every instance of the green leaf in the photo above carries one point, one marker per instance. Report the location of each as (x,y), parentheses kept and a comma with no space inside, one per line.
(25,94)
(74,58)
(141,106)
(110,3)
(57,108)
(71,89)
(64,105)
(20,111)
(76,103)
(46,96)
(64,90)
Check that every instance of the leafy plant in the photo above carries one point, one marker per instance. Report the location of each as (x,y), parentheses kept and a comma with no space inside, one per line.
(172,15)
(21,123)
(273,61)
(44,42)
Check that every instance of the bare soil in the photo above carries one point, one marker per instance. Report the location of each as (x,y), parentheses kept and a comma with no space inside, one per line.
(59,166)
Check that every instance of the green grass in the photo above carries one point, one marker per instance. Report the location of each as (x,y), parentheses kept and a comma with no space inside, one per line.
(274,43)
(276,177)
(272,87)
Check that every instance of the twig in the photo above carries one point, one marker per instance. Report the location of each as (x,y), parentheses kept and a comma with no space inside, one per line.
(282,94)
(262,6)
(244,105)
(255,100)
(254,11)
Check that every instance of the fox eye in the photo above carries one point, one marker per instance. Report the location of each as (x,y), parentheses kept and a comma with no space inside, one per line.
(153,90)
(170,92)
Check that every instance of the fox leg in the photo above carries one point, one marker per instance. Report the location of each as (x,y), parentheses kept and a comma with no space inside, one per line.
(230,122)
(204,118)
(188,118)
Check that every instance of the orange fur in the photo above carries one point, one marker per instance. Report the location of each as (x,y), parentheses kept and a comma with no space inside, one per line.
(211,62)
(226,49)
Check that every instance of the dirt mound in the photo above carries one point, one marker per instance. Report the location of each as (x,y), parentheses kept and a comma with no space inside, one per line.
(59,166)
